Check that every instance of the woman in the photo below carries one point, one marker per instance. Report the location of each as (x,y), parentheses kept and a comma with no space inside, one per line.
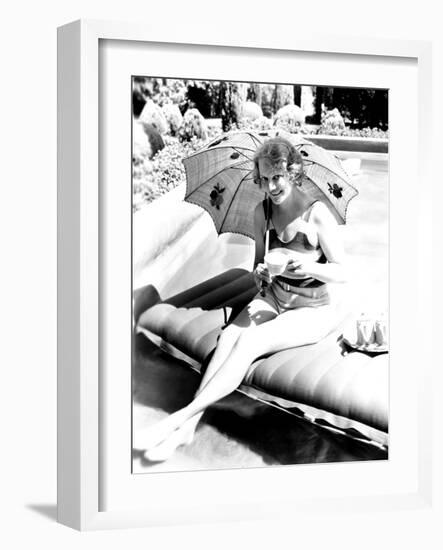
(291,309)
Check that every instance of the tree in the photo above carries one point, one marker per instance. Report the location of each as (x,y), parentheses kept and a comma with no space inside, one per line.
(203,95)
(361,106)
(283,95)
(230,101)
(255,93)
(297,94)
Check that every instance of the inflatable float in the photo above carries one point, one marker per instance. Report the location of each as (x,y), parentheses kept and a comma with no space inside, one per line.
(327,383)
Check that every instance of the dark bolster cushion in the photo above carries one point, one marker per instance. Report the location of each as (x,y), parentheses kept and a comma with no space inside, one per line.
(321,375)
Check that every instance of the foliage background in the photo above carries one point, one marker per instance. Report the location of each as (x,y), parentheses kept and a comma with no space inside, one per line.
(179,116)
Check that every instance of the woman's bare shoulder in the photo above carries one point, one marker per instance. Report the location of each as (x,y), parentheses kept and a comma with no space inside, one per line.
(321,215)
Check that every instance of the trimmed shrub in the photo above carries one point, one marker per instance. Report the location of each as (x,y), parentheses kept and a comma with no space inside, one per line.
(193,126)
(153,115)
(290,118)
(332,119)
(141,147)
(153,178)
(354,132)
(262,124)
(155,139)
(251,110)
(173,117)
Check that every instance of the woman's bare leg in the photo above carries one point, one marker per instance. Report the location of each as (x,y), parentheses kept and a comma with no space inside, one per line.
(179,427)
(184,434)
(256,312)
(291,329)
(245,319)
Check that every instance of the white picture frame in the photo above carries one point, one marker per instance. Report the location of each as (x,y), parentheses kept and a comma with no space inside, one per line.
(79,270)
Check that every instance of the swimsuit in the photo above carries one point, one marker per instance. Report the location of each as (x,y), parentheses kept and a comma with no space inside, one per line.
(285,292)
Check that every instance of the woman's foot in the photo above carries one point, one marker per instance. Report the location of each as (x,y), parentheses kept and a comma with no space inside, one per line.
(164,450)
(151,437)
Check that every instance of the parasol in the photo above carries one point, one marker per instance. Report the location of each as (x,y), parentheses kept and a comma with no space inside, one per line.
(219,178)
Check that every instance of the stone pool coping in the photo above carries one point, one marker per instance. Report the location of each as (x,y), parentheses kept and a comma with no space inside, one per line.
(348,143)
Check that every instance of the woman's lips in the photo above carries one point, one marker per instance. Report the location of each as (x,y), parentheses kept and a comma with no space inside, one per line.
(277,196)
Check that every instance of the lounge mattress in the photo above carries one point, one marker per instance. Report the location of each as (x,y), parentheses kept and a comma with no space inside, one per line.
(349,389)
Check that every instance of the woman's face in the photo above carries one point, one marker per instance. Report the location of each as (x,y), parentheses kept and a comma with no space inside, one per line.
(274,179)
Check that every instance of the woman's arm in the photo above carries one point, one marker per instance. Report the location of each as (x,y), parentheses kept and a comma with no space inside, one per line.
(330,242)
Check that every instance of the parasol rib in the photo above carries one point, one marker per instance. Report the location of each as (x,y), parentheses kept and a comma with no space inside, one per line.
(205,150)
(333,170)
(215,224)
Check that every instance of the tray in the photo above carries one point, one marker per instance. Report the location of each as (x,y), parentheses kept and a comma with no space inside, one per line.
(350,339)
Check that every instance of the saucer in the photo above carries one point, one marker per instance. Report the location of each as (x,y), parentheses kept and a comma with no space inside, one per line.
(350,339)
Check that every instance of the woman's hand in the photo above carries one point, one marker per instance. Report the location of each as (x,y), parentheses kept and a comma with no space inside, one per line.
(297,269)
(262,276)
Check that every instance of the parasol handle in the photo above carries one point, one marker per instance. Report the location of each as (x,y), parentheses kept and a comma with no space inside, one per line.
(267,225)
(263,284)
(266,241)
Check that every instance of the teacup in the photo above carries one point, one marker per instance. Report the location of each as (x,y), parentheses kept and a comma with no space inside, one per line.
(365,330)
(276,262)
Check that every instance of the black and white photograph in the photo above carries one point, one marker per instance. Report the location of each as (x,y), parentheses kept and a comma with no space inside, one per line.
(260,271)
(221,293)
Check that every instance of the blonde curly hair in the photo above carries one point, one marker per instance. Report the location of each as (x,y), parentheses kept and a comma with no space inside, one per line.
(276,150)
